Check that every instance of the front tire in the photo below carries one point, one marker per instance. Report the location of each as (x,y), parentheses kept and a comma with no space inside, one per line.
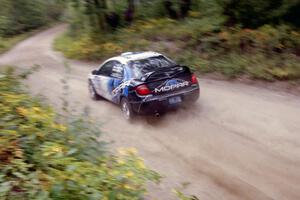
(92,91)
(126,108)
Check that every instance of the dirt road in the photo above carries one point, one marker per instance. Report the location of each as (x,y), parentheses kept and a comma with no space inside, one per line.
(239,142)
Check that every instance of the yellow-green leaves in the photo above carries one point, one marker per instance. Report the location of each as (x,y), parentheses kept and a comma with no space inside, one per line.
(42,158)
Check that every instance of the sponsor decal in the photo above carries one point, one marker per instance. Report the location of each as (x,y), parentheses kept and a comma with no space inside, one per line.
(171,85)
(120,87)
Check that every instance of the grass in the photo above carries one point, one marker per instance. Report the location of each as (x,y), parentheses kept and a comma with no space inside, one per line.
(205,44)
(7,43)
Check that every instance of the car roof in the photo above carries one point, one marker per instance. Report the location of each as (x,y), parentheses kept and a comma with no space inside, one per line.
(130,56)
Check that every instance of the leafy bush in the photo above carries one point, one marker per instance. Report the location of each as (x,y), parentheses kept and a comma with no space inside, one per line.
(267,39)
(255,13)
(20,16)
(85,47)
(151,9)
(42,157)
(267,53)
(7,43)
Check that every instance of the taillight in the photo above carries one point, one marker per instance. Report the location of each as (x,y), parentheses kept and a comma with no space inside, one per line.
(142,90)
(194,79)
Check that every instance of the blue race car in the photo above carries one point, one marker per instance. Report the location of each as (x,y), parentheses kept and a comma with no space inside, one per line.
(143,83)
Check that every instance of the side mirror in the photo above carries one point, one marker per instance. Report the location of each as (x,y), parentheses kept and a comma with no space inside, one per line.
(95,72)
(185,68)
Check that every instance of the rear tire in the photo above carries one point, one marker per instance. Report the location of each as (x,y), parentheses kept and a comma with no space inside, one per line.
(92,91)
(126,109)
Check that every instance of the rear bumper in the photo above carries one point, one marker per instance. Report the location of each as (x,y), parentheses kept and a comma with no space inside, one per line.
(157,104)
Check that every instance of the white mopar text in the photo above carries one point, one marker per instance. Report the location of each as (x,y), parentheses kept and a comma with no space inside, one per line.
(171,87)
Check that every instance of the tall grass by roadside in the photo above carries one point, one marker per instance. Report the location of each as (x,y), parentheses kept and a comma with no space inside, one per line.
(8,42)
(269,53)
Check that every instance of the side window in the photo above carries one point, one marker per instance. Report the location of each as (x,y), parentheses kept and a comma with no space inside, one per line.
(106,69)
(117,70)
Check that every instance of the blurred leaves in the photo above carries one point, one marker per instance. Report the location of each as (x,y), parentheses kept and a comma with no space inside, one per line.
(43,158)
(205,44)
(255,13)
(20,16)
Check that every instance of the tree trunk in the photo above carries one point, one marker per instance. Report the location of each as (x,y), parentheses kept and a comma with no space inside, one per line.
(185,6)
(100,7)
(171,12)
(129,13)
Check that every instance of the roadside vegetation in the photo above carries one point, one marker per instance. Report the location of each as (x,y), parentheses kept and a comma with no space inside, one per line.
(45,155)
(235,38)
(7,42)
(19,19)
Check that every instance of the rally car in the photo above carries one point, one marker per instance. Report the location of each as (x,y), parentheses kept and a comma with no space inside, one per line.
(143,83)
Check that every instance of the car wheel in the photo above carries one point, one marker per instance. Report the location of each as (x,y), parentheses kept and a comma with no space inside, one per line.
(92,91)
(127,111)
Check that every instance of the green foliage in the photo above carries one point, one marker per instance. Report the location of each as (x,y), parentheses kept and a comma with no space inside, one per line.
(90,16)
(202,40)
(7,43)
(19,16)
(85,47)
(150,9)
(266,53)
(208,7)
(207,46)
(255,13)
(87,16)
(43,158)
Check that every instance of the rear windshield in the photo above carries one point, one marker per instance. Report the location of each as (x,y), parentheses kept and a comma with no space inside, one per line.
(144,66)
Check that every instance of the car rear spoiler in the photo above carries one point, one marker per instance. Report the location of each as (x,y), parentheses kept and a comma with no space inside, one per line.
(169,72)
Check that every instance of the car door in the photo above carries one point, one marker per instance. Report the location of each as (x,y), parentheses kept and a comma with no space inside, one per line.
(108,78)
(117,75)
(102,79)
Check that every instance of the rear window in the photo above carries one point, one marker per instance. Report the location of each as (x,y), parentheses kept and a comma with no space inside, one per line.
(144,66)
